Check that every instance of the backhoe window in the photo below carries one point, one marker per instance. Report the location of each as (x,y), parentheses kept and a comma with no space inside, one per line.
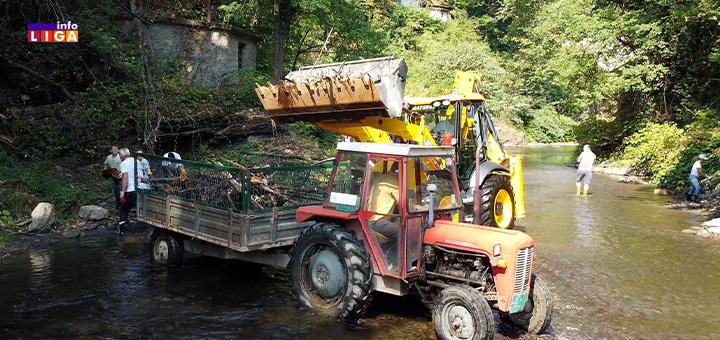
(420,176)
(347,186)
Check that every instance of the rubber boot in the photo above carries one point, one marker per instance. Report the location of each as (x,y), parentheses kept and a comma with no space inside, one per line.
(585,192)
(696,199)
(688,197)
(577,190)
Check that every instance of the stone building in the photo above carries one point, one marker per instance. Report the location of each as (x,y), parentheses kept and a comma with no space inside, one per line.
(211,53)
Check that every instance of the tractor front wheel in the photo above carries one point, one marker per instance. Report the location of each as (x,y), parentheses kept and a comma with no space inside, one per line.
(330,271)
(538,310)
(498,202)
(462,312)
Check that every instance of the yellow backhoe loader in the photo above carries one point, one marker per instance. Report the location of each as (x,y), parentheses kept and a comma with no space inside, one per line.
(364,99)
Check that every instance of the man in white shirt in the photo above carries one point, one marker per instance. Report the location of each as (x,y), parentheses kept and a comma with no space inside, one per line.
(128,196)
(584,173)
(695,174)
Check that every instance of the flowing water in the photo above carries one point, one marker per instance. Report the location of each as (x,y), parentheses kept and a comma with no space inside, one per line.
(615,261)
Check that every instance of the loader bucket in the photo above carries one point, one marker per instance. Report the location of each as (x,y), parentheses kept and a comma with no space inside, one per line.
(342,91)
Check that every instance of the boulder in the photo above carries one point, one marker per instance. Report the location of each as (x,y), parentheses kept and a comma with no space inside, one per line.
(703,233)
(663,192)
(714,230)
(71,233)
(93,213)
(43,217)
(712,223)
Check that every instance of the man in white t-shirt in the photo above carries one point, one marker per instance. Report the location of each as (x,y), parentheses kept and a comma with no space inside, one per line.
(584,173)
(128,196)
(695,174)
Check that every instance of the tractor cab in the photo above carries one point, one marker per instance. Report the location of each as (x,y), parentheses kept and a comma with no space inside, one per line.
(393,189)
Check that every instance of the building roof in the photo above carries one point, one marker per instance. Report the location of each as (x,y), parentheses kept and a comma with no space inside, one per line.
(396,149)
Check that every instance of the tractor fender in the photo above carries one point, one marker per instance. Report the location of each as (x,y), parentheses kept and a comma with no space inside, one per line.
(317,212)
(482,172)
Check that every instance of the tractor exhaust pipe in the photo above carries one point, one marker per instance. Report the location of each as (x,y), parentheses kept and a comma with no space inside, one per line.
(431,188)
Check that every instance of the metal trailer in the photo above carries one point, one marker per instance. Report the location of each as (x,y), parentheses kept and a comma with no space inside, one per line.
(226,212)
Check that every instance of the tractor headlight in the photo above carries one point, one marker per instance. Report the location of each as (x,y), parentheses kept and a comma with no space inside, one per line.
(446,102)
(436,104)
(502,264)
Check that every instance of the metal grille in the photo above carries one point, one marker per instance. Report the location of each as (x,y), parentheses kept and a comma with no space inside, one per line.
(244,190)
(523,266)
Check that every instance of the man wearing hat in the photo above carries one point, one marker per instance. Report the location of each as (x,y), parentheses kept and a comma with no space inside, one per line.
(695,173)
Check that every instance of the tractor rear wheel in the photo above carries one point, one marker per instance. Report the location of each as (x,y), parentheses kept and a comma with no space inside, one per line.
(461,312)
(330,271)
(538,310)
(498,202)
(167,249)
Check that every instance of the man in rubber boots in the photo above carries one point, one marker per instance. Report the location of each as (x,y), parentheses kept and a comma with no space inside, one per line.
(584,172)
(695,173)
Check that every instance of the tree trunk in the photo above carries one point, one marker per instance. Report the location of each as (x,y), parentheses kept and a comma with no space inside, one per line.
(208,10)
(278,73)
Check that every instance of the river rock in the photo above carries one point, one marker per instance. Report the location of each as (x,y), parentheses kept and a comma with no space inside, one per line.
(714,230)
(71,233)
(712,223)
(93,213)
(663,192)
(703,233)
(688,231)
(43,217)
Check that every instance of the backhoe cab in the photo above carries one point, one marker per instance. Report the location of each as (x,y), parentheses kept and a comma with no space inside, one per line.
(364,100)
(391,223)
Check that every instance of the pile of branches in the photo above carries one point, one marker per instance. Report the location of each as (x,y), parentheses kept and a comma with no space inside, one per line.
(224,189)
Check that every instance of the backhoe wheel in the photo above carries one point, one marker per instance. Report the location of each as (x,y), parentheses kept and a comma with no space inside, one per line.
(538,310)
(462,313)
(330,271)
(167,249)
(498,202)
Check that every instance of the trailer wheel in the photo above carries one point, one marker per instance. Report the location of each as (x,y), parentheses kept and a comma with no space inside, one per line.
(167,249)
(498,202)
(330,271)
(461,312)
(538,310)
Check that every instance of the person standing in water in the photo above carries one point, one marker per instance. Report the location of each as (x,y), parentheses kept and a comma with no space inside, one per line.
(584,173)
(695,173)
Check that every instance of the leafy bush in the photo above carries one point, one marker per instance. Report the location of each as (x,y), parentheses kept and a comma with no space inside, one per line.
(666,152)
(548,126)
(325,139)
(26,185)
(654,150)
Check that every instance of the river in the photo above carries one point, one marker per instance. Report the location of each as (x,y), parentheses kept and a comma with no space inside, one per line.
(615,261)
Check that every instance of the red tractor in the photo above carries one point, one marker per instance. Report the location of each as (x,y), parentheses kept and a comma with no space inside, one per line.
(390,223)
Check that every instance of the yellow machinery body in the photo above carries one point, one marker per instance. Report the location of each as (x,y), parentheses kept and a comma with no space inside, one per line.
(365,100)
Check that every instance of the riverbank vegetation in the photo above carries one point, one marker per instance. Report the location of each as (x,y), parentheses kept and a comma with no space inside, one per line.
(636,80)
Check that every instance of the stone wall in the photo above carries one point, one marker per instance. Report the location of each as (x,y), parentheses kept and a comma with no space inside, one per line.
(212,54)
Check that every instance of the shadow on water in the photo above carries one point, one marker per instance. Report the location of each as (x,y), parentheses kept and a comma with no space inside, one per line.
(615,262)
